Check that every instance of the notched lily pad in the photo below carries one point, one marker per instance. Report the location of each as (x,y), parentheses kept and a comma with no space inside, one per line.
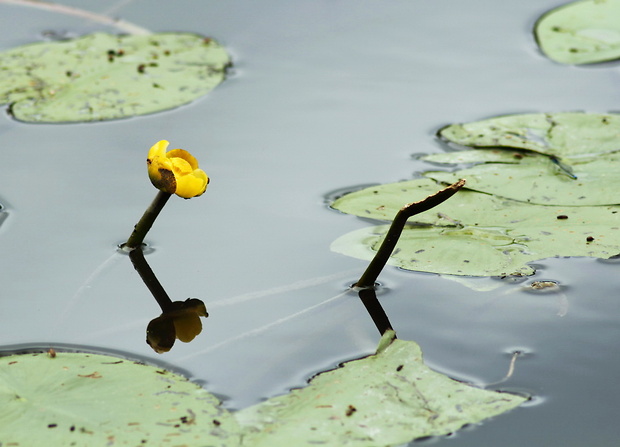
(581,32)
(102,76)
(554,134)
(386,399)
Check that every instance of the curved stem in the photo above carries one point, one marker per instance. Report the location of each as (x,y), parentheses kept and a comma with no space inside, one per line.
(369,277)
(146,221)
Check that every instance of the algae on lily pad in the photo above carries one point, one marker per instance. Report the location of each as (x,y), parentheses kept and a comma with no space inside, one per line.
(555,134)
(97,400)
(581,32)
(386,399)
(103,76)
(477,234)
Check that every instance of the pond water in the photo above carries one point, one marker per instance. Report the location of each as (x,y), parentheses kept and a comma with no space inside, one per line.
(324,95)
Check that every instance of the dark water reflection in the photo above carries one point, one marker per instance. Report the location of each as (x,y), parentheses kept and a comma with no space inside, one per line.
(324,95)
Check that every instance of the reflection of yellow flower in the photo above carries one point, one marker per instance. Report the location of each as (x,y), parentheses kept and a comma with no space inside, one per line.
(175,171)
(181,322)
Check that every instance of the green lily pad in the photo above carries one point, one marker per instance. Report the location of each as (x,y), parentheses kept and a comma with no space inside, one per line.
(555,134)
(581,32)
(479,156)
(385,399)
(98,400)
(89,399)
(540,180)
(477,234)
(453,251)
(102,76)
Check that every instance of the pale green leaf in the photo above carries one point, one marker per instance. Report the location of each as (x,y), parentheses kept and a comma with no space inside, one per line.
(100,400)
(540,180)
(102,76)
(385,399)
(453,251)
(478,234)
(555,134)
(581,32)
(479,156)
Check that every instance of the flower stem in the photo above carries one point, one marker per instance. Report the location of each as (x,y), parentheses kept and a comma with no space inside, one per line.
(146,222)
(369,277)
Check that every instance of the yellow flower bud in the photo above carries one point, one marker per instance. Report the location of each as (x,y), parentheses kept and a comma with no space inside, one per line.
(176,171)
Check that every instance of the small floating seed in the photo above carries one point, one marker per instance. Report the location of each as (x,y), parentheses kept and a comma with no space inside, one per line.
(589,239)
(562,217)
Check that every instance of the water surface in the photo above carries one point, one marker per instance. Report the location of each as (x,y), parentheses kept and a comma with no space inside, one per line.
(324,95)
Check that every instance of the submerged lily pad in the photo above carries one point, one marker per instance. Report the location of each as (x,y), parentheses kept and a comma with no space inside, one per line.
(102,76)
(477,234)
(96,400)
(554,134)
(581,32)
(385,399)
(89,399)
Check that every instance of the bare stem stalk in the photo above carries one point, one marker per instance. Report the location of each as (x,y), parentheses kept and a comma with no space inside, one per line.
(146,222)
(369,277)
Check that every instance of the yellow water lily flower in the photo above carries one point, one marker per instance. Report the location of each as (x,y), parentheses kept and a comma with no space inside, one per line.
(175,171)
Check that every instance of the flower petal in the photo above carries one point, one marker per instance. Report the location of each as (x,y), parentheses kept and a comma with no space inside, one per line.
(180,166)
(183,154)
(162,175)
(192,185)
(158,149)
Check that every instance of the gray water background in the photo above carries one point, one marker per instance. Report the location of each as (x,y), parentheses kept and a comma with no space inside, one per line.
(324,95)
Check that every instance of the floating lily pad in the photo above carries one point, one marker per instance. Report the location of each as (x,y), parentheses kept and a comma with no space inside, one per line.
(102,76)
(540,180)
(96,400)
(479,156)
(454,251)
(581,32)
(478,234)
(554,134)
(386,399)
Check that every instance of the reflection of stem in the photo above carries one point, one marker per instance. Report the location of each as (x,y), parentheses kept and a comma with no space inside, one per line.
(149,278)
(369,277)
(146,221)
(63,9)
(374,308)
